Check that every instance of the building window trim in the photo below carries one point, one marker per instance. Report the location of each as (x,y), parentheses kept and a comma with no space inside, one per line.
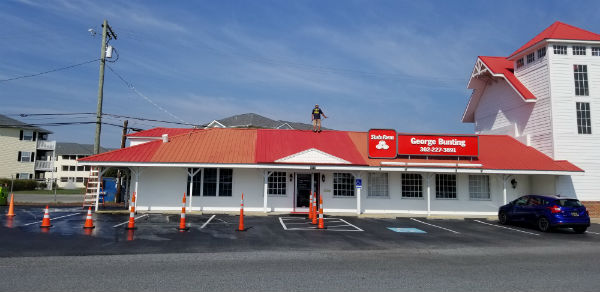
(479,188)
(559,49)
(445,186)
(584,119)
(277,184)
(412,186)
(378,183)
(343,185)
(580,76)
(579,50)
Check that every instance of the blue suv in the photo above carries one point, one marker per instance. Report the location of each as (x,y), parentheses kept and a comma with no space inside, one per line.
(546,212)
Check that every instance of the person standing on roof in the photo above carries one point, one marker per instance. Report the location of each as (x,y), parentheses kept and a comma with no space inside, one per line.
(316,118)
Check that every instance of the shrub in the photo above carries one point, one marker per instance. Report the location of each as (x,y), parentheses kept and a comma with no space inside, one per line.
(20,184)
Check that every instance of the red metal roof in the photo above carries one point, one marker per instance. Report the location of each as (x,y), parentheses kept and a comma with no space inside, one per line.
(265,146)
(559,30)
(158,132)
(501,65)
(274,144)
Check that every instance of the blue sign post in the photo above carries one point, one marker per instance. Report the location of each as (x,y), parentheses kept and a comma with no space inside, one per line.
(358,183)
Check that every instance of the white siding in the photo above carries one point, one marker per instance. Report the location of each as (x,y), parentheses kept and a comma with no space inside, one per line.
(581,149)
(501,110)
(10,145)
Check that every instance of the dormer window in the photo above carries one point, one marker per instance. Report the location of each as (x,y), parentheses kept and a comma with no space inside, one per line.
(541,52)
(560,50)
(530,58)
(596,51)
(579,50)
(520,63)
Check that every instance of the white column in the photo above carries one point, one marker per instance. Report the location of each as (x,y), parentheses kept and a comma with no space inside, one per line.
(504,178)
(358,208)
(137,179)
(429,194)
(266,175)
(100,172)
(191,176)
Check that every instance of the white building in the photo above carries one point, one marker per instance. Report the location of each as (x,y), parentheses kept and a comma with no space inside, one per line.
(67,173)
(546,94)
(277,169)
(25,151)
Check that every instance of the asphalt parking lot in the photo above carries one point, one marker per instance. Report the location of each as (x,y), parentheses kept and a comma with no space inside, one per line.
(157,233)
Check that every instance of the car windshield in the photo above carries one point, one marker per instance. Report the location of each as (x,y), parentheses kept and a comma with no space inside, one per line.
(569,203)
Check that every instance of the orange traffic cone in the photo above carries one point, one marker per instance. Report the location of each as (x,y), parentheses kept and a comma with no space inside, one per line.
(314,207)
(241,226)
(89,222)
(131,224)
(46,220)
(310,205)
(11,207)
(321,222)
(182,226)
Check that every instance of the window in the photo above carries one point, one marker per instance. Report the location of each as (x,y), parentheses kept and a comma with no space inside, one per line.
(87,168)
(445,186)
(560,50)
(65,168)
(64,179)
(24,156)
(217,180)
(80,168)
(581,80)
(27,135)
(79,179)
(196,184)
(343,185)
(479,187)
(378,185)
(412,185)
(276,184)
(225,182)
(72,168)
(530,58)
(596,51)
(541,52)
(584,120)
(579,50)
(520,63)
(24,175)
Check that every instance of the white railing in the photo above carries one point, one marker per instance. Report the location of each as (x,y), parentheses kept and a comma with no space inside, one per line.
(44,165)
(46,145)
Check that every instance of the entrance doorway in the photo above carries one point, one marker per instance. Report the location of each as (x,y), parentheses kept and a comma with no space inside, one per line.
(305,183)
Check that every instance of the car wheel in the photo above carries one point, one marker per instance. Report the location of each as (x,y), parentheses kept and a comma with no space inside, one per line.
(579,229)
(503,218)
(543,224)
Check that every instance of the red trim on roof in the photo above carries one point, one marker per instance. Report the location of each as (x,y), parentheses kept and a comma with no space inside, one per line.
(560,30)
(262,146)
(158,132)
(501,65)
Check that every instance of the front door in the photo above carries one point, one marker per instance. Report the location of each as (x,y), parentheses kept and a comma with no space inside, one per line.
(304,186)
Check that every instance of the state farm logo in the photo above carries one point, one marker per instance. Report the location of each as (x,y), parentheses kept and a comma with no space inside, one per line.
(382,145)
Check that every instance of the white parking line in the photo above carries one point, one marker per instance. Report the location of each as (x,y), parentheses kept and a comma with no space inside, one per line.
(505,227)
(281,221)
(136,218)
(358,229)
(440,227)
(207,221)
(52,219)
(593,232)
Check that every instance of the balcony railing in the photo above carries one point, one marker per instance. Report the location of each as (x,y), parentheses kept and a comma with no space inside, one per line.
(44,165)
(46,145)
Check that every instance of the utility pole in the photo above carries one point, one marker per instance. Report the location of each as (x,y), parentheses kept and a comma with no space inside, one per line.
(107,32)
(119,182)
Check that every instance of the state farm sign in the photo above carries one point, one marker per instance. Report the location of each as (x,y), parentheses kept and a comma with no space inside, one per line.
(382,143)
(438,145)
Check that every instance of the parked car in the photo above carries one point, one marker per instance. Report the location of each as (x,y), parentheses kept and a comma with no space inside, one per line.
(546,212)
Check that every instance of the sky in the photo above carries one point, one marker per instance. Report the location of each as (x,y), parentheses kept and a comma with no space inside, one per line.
(400,65)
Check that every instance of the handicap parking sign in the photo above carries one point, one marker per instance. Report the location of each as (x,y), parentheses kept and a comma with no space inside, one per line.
(358,183)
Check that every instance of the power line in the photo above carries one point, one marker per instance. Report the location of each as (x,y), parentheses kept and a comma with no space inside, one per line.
(52,115)
(130,86)
(50,71)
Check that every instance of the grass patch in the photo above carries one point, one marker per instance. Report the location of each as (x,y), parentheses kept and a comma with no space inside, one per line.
(51,192)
